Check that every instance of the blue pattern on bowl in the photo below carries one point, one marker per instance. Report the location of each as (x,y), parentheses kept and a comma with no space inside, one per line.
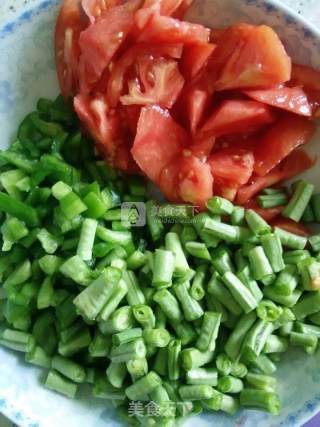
(27,72)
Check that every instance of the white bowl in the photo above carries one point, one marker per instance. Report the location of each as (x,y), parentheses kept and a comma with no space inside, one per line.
(26,73)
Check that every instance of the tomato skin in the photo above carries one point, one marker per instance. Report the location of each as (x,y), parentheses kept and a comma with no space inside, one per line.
(250,57)
(67,52)
(293,99)
(100,41)
(291,226)
(159,139)
(280,140)
(233,166)
(164,29)
(297,162)
(267,214)
(236,116)
(194,58)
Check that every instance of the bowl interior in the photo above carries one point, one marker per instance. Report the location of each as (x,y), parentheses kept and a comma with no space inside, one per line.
(27,72)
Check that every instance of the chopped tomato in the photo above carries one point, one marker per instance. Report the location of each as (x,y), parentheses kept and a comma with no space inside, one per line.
(291,226)
(240,142)
(292,99)
(280,140)
(163,87)
(194,58)
(202,148)
(306,77)
(225,189)
(296,163)
(94,8)
(168,7)
(168,180)
(309,79)
(163,29)
(216,34)
(194,102)
(159,139)
(103,125)
(195,181)
(196,110)
(187,179)
(234,116)
(68,27)
(122,66)
(123,159)
(250,57)
(268,214)
(100,41)
(233,166)
(106,128)
(182,8)
(145,13)
(131,114)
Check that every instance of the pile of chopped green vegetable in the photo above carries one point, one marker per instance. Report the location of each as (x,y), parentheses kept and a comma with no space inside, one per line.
(191,316)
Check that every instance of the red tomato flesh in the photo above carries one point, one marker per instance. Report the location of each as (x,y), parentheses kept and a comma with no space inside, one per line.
(104,127)
(198,111)
(194,58)
(232,165)
(94,8)
(309,80)
(292,99)
(280,140)
(159,139)
(250,57)
(120,69)
(163,29)
(100,41)
(68,27)
(306,77)
(168,7)
(296,163)
(234,116)
(182,8)
(167,83)
(195,181)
